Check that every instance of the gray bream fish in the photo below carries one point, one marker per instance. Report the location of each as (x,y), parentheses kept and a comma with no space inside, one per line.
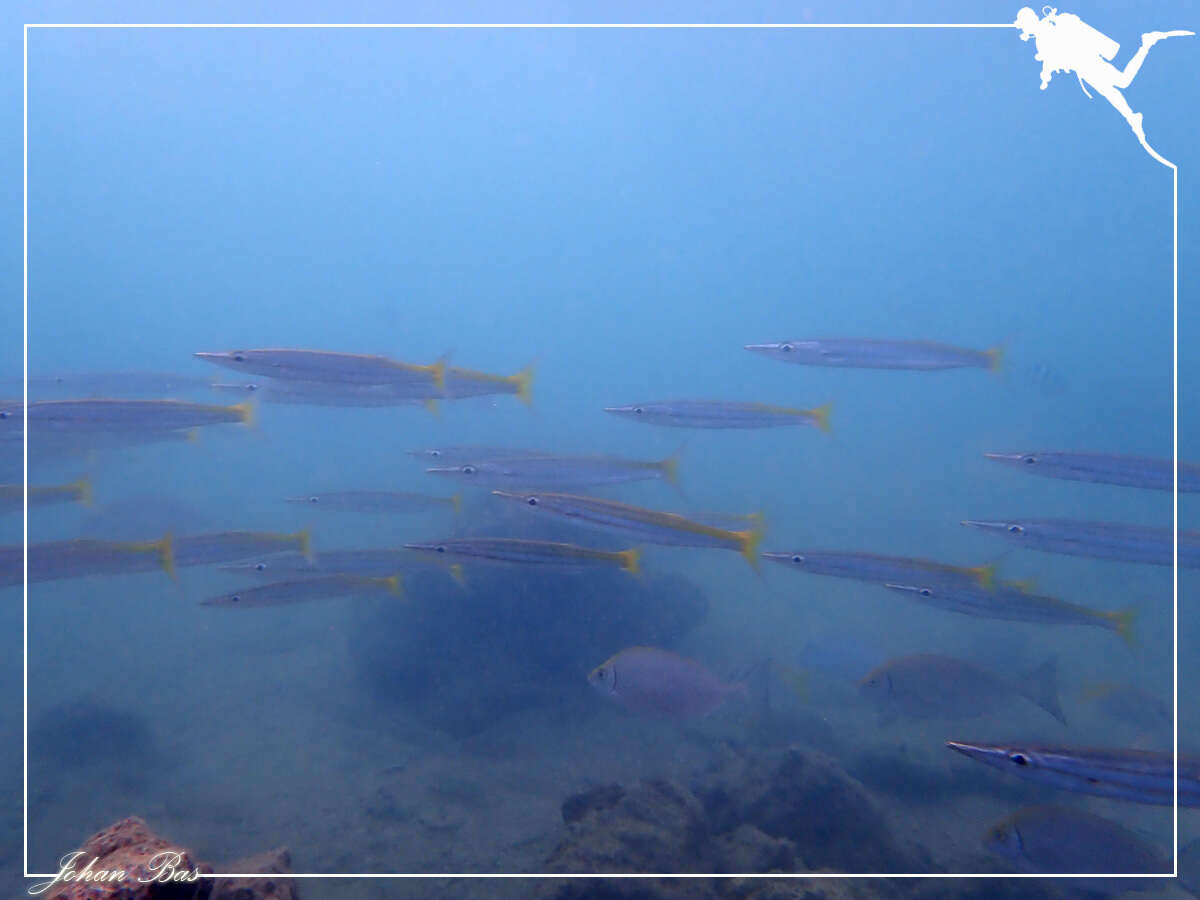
(1060,840)
(74,416)
(1097,540)
(378,501)
(474,453)
(648,525)
(931,686)
(1104,468)
(1013,603)
(1139,776)
(286,593)
(325,365)
(514,551)
(83,558)
(718,414)
(318,393)
(230,546)
(560,471)
(650,680)
(879,569)
(12,496)
(865,353)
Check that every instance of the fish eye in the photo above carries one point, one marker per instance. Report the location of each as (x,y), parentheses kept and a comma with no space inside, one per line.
(260,567)
(926,592)
(1018,759)
(1015,529)
(787,348)
(435,453)
(638,410)
(797,558)
(1029,460)
(468,470)
(532,501)
(252,387)
(4,414)
(314,499)
(237,357)
(440,548)
(235,598)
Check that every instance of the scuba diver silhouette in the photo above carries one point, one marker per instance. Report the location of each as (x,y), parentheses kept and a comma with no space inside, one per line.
(1065,43)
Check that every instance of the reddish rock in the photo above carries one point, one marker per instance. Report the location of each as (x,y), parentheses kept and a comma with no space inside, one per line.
(129,846)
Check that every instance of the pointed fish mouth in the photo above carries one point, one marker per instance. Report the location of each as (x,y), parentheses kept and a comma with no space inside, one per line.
(511,495)
(759,347)
(1004,457)
(975,751)
(209,355)
(779,555)
(988,526)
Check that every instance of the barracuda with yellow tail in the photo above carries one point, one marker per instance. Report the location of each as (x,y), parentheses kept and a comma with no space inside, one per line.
(648,525)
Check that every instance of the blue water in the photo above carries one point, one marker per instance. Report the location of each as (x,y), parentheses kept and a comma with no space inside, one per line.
(624,209)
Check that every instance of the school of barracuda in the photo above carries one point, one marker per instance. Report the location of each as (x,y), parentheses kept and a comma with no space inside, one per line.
(126,409)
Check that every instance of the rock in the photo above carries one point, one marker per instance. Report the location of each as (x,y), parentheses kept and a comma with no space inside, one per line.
(278,861)
(577,806)
(804,796)
(129,846)
(654,826)
(746,849)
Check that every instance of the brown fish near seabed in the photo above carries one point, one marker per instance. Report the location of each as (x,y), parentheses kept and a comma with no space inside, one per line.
(651,680)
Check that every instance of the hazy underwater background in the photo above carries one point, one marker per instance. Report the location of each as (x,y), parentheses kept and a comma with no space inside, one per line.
(622,210)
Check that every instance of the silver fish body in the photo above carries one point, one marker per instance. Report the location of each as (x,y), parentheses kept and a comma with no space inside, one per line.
(398,502)
(286,593)
(324,365)
(932,686)
(650,680)
(1097,540)
(1061,840)
(1104,468)
(867,353)
(1139,776)
(557,471)
(719,414)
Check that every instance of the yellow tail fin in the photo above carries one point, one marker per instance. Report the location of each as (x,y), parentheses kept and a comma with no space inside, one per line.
(394,585)
(631,561)
(438,371)
(820,416)
(524,382)
(304,539)
(432,406)
(985,575)
(456,502)
(166,553)
(670,467)
(82,490)
(246,412)
(1123,623)
(995,357)
(457,573)
(749,541)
